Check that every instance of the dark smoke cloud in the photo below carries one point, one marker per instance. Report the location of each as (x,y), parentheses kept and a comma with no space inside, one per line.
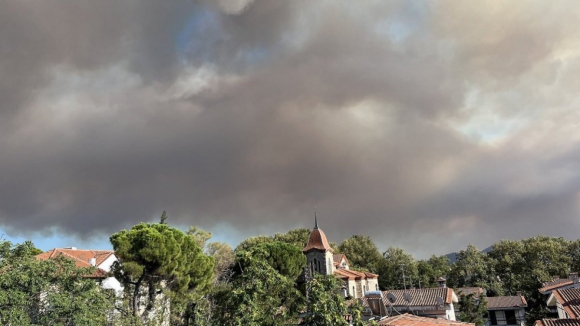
(423,125)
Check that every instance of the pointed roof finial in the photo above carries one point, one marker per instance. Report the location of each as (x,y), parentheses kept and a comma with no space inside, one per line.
(315,219)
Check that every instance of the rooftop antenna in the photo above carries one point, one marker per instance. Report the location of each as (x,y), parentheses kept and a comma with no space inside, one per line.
(404,283)
(315,219)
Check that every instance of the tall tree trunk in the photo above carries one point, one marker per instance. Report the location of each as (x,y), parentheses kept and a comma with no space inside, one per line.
(136,295)
(151,294)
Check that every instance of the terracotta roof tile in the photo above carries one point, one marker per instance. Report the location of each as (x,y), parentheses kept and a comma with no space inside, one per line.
(412,320)
(336,258)
(81,257)
(558,322)
(317,241)
(555,284)
(347,274)
(506,302)
(420,297)
(570,300)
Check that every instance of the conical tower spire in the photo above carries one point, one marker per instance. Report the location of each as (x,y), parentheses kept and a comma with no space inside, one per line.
(315,220)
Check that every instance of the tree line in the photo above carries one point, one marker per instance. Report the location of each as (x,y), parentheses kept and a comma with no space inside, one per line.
(172,277)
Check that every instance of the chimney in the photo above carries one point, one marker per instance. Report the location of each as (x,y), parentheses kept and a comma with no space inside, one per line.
(518,293)
(442,282)
(574,277)
(374,299)
(93,261)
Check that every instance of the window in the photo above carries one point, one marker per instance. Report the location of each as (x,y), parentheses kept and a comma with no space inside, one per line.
(377,287)
(510,317)
(315,265)
(353,293)
(320,270)
(492,318)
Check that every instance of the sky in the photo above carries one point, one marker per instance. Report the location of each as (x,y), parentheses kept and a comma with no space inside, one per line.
(426,125)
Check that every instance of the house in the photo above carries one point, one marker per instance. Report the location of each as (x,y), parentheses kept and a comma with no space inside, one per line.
(320,258)
(560,283)
(506,310)
(427,302)
(557,322)
(566,302)
(413,320)
(102,260)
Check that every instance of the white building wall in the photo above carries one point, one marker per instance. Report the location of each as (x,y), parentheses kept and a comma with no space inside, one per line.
(352,288)
(450,312)
(107,263)
(372,284)
(561,312)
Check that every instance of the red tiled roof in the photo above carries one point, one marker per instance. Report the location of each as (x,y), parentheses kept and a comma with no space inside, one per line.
(353,275)
(570,300)
(336,258)
(317,241)
(558,322)
(420,297)
(412,320)
(348,274)
(80,257)
(506,302)
(555,284)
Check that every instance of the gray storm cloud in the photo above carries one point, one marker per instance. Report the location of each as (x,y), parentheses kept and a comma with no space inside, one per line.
(414,123)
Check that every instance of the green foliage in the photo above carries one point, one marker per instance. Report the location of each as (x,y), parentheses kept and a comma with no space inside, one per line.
(296,237)
(163,218)
(472,309)
(249,243)
(285,258)
(356,311)
(200,236)
(431,269)
(154,258)
(325,305)
(475,268)
(48,292)
(258,296)
(223,256)
(362,253)
(396,262)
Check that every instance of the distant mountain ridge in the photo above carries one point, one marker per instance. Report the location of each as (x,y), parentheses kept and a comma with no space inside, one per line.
(453,256)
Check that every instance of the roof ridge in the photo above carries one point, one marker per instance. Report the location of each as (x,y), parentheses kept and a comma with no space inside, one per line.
(71,256)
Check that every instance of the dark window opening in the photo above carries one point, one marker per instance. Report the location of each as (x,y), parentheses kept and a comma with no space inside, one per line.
(510,317)
(492,318)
